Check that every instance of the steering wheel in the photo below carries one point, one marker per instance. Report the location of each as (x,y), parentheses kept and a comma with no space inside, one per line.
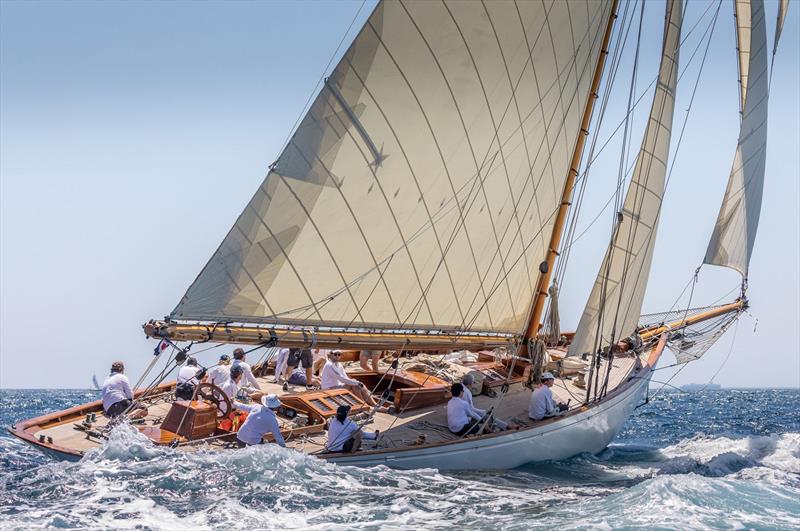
(211,393)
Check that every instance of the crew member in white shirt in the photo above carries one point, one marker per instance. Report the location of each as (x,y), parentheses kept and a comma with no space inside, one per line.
(344,435)
(468,380)
(280,364)
(261,419)
(462,418)
(238,359)
(221,373)
(231,386)
(118,396)
(334,377)
(190,372)
(542,403)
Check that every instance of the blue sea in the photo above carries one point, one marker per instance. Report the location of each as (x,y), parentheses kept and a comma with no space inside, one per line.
(726,459)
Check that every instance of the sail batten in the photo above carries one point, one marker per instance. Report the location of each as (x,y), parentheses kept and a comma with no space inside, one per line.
(417,190)
(732,241)
(613,308)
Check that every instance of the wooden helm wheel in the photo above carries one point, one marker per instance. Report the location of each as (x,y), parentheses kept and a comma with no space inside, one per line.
(211,393)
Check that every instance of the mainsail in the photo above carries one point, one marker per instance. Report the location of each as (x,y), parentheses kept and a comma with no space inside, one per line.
(734,234)
(418,191)
(614,305)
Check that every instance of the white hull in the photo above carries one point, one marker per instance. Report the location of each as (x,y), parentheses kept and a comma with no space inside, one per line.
(587,431)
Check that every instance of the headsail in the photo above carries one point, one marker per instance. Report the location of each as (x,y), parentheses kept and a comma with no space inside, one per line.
(418,191)
(616,299)
(783,7)
(734,233)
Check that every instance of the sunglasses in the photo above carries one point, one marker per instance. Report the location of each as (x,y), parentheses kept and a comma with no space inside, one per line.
(337,354)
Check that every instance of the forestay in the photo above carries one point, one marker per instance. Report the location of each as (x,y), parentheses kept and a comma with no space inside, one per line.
(615,302)
(418,191)
(734,234)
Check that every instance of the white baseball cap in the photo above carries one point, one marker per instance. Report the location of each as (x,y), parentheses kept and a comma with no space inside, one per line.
(548,376)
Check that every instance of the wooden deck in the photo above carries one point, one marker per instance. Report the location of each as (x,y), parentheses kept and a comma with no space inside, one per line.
(426,425)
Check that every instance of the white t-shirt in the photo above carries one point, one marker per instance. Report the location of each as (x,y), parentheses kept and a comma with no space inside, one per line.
(188,374)
(217,375)
(458,414)
(542,404)
(333,375)
(248,373)
(260,421)
(116,388)
(339,433)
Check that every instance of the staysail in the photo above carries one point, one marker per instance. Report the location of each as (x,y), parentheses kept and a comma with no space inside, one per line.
(616,299)
(418,190)
(783,7)
(734,234)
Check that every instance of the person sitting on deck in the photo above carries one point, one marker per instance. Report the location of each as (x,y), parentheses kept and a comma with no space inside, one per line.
(466,381)
(118,396)
(221,373)
(344,435)
(542,404)
(238,359)
(296,358)
(462,418)
(261,419)
(334,377)
(367,356)
(188,378)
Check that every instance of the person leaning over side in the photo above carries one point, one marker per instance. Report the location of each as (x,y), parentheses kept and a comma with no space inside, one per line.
(118,396)
(344,435)
(261,419)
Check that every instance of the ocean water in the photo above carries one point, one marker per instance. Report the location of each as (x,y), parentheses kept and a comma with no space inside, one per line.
(724,459)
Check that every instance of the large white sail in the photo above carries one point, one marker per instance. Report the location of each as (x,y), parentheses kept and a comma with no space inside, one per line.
(419,189)
(734,233)
(615,302)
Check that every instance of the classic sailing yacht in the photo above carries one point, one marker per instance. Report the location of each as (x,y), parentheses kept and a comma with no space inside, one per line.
(419,209)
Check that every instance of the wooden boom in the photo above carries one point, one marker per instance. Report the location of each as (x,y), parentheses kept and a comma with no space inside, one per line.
(327,338)
(738,306)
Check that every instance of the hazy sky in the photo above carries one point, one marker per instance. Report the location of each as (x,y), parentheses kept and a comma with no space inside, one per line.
(133,133)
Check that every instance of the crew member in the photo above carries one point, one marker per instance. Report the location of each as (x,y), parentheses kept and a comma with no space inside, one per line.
(542,403)
(466,381)
(367,356)
(334,377)
(188,378)
(221,373)
(238,359)
(344,435)
(118,396)
(462,418)
(295,359)
(261,419)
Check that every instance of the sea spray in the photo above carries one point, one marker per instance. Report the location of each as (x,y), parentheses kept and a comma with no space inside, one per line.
(719,469)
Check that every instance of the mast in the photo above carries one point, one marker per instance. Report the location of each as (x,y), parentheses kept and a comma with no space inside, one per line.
(546,267)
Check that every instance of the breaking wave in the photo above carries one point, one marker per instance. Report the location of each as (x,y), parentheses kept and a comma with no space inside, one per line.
(727,479)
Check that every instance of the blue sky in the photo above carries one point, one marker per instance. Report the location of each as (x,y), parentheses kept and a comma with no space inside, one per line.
(133,133)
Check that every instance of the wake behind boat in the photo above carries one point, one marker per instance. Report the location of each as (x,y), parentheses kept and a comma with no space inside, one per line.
(425,208)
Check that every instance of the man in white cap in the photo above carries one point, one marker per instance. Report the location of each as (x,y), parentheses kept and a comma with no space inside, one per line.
(542,403)
(261,419)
